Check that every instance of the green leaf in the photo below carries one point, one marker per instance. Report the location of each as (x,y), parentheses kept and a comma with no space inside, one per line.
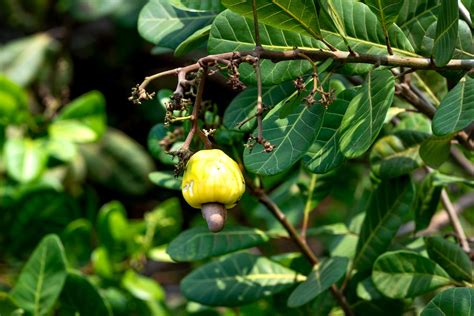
(386,10)
(165,220)
(325,274)
(113,229)
(22,59)
(404,274)
(198,243)
(440,179)
(366,290)
(291,136)
(428,196)
(446,32)
(464,48)
(155,136)
(388,205)
(244,105)
(119,163)
(196,40)
(456,110)
(236,280)
(435,150)
(42,278)
(297,16)
(77,240)
(232,32)
(13,100)
(324,154)
(366,113)
(102,264)
(79,295)
(163,25)
(197,5)
(415,17)
(361,29)
(397,154)
(141,287)
(86,10)
(450,257)
(25,159)
(8,307)
(166,179)
(451,302)
(83,120)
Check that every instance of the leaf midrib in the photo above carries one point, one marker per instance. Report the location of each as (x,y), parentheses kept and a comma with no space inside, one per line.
(39,284)
(453,263)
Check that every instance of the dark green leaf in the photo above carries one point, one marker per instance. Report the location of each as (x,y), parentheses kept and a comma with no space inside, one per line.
(388,205)
(324,154)
(451,302)
(25,159)
(165,220)
(237,279)
(435,150)
(446,32)
(397,154)
(296,16)
(42,278)
(415,17)
(244,105)
(8,307)
(366,113)
(77,240)
(83,120)
(232,32)
(357,26)
(291,137)
(162,24)
(81,296)
(166,179)
(403,274)
(450,257)
(320,279)
(428,197)
(456,110)
(386,10)
(198,243)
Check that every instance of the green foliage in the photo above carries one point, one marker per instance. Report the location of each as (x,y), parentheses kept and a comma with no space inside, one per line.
(237,280)
(354,119)
(188,246)
(42,278)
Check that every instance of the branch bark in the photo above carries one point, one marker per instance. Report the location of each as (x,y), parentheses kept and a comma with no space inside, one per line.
(300,242)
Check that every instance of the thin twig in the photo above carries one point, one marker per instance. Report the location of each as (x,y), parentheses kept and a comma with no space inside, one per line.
(255,24)
(307,252)
(307,207)
(454,219)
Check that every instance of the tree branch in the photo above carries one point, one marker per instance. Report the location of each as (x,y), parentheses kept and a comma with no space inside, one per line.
(300,242)
(454,219)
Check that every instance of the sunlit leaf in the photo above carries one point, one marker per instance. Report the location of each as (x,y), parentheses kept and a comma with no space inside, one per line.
(237,280)
(403,274)
(25,159)
(166,179)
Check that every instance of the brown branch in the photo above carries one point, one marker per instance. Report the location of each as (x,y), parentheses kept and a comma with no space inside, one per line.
(454,219)
(300,242)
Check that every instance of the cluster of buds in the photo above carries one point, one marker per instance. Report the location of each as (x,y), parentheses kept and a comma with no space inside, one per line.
(138,95)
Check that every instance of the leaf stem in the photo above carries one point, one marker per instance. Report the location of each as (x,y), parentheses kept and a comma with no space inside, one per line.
(454,219)
(308,205)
